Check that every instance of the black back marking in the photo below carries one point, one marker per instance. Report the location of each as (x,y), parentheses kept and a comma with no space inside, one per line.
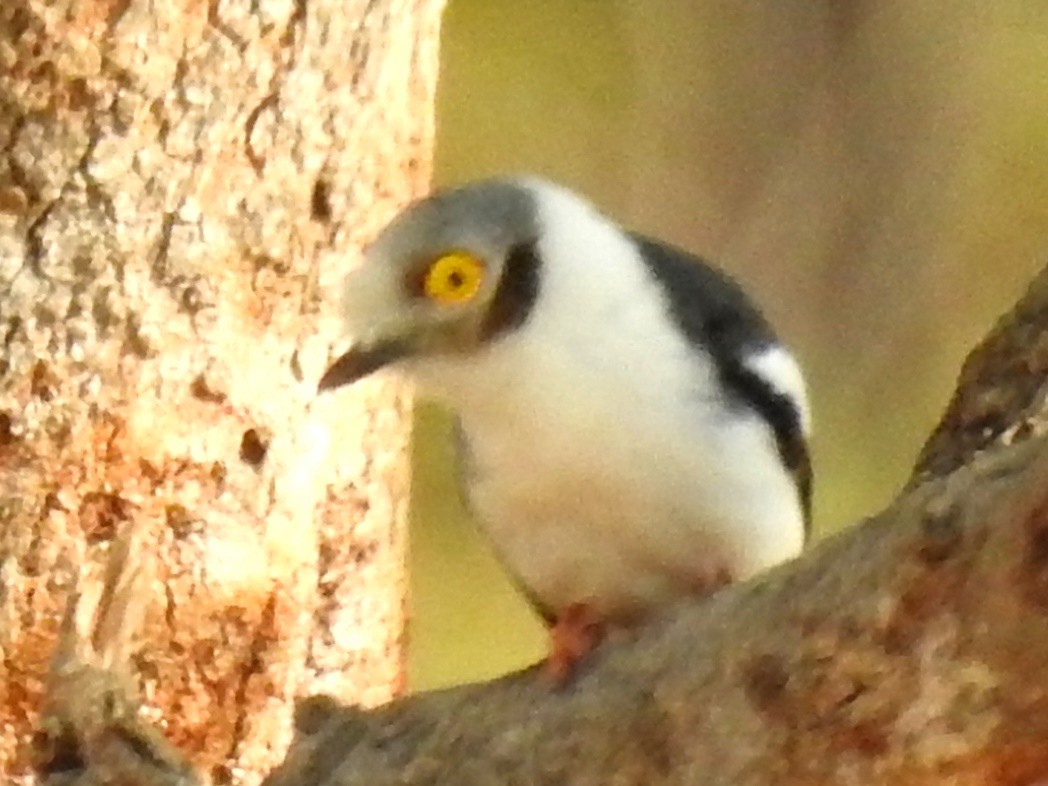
(716,315)
(781,413)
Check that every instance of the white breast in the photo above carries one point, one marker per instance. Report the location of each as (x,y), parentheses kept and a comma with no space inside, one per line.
(605,464)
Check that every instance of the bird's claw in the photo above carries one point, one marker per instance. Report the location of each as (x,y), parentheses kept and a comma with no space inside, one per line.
(577,631)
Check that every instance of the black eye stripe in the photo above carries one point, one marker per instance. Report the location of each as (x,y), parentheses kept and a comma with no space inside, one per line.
(516,292)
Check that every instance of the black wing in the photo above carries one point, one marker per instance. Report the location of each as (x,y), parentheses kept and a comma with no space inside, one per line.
(716,315)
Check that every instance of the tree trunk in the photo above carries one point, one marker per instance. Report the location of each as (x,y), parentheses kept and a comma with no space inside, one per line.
(910,650)
(182,188)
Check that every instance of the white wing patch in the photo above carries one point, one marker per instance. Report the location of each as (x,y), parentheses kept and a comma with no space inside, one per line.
(777,367)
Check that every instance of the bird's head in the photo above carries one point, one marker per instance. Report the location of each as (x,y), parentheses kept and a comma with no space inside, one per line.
(449,274)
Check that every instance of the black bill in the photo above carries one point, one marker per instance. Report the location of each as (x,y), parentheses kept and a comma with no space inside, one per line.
(358,362)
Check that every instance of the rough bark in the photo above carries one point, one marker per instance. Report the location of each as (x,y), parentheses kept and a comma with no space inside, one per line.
(912,649)
(1000,398)
(182,187)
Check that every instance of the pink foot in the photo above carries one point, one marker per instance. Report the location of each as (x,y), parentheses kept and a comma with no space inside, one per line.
(577,632)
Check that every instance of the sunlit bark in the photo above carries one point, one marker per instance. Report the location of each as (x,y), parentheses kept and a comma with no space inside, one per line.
(182,187)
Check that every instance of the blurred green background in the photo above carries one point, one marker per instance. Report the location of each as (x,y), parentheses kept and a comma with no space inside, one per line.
(875,173)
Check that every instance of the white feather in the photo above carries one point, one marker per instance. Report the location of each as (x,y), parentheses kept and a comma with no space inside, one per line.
(778,368)
(609,468)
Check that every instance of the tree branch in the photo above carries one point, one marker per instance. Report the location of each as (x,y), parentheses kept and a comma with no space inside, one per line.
(1000,397)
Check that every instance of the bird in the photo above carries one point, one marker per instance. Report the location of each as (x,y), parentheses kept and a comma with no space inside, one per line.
(630,431)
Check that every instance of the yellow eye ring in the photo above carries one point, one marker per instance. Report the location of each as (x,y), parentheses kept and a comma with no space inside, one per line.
(453,278)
